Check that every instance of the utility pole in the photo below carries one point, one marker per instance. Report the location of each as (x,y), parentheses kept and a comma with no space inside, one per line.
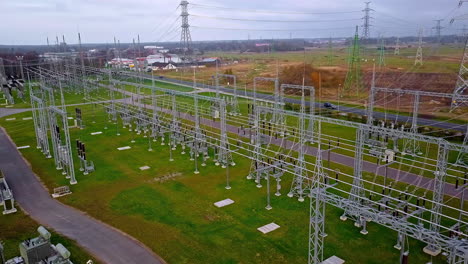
(354,75)
(419,55)
(397,46)
(185,37)
(330,52)
(366,26)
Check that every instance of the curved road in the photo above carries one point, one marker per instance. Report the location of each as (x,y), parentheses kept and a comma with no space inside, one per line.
(102,241)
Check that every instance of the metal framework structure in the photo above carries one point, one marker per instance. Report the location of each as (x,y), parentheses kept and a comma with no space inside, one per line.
(353,79)
(438,30)
(232,103)
(367,21)
(458,97)
(419,52)
(382,53)
(387,201)
(397,47)
(185,37)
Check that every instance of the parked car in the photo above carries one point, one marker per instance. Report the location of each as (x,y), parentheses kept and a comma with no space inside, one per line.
(329,106)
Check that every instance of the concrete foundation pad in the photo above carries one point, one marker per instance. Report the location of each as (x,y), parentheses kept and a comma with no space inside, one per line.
(223,203)
(10,211)
(23,147)
(144,168)
(124,148)
(432,251)
(268,228)
(333,260)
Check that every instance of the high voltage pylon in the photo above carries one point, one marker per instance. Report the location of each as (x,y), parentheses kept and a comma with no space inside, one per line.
(419,55)
(185,37)
(462,81)
(382,53)
(397,46)
(330,52)
(366,26)
(438,28)
(354,75)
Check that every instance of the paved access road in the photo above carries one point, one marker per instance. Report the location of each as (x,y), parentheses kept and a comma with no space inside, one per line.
(104,242)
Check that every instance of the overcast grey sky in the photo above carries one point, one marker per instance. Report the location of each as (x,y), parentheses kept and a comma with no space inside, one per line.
(32,21)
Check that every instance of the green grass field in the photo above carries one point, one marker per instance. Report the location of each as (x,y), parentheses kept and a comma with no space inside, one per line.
(177,219)
(17,227)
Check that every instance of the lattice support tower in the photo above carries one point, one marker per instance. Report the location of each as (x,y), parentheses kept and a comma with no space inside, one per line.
(232,103)
(40,118)
(367,21)
(462,158)
(317,207)
(311,126)
(353,79)
(185,37)
(462,81)
(357,192)
(438,195)
(397,47)
(382,53)
(224,157)
(419,52)
(301,184)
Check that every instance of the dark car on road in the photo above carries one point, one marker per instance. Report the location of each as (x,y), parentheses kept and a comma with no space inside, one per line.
(329,106)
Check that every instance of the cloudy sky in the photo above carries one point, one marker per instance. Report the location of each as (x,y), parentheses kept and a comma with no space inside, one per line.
(32,21)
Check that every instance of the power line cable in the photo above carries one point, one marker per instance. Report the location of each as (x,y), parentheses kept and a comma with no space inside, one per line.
(274,21)
(271,11)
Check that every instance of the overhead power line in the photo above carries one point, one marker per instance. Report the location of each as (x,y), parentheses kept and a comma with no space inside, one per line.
(271,11)
(271,29)
(275,20)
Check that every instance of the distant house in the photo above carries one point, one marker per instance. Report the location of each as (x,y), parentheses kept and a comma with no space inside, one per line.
(161,66)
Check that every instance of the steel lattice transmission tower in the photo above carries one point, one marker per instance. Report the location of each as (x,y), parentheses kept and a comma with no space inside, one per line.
(438,28)
(462,81)
(419,56)
(185,37)
(382,53)
(317,208)
(366,26)
(330,52)
(397,46)
(354,75)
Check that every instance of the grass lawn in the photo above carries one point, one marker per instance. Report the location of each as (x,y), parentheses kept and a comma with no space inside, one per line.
(18,227)
(177,219)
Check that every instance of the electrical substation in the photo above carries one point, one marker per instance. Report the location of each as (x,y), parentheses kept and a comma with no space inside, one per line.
(386,172)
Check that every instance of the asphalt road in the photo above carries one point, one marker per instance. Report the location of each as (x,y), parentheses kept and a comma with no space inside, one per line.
(377,115)
(107,244)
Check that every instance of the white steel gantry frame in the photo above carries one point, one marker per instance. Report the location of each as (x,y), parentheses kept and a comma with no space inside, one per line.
(432,231)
